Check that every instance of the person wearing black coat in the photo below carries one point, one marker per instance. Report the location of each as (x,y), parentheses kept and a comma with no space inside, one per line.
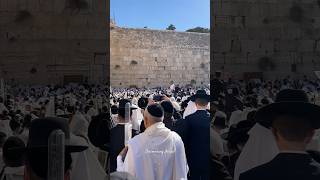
(293,121)
(197,139)
(117,135)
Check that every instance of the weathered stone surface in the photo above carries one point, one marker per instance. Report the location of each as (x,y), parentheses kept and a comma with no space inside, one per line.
(144,57)
(269,30)
(53,40)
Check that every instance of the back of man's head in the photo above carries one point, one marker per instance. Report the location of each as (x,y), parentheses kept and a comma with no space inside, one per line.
(122,109)
(167,108)
(293,128)
(201,102)
(154,113)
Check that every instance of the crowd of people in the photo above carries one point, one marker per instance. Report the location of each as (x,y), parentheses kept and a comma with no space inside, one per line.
(265,129)
(255,129)
(83,112)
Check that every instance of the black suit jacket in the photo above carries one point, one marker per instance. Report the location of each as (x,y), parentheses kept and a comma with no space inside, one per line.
(285,166)
(116,145)
(197,143)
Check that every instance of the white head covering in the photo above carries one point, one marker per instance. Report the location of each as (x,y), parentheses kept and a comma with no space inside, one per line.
(236,117)
(190,109)
(260,149)
(87,167)
(136,118)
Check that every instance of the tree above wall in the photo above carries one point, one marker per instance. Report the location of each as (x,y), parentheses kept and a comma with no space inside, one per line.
(199,30)
(171,27)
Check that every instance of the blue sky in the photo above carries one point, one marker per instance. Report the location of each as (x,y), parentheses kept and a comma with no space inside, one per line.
(158,14)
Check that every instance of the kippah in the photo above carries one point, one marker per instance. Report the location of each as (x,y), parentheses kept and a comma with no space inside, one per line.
(143,102)
(167,106)
(155,110)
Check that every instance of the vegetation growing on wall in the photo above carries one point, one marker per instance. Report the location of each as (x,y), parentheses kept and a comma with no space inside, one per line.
(133,62)
(296,14)
(33,70)
(199,30)
(117,67)
(266,63)
(78,4)
(22,16)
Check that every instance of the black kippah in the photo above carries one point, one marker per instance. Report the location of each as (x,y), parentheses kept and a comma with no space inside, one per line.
(167,107)
(155,110)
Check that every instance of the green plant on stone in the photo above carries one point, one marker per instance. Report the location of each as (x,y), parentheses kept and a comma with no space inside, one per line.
(22,16)
(266,63)
(133,62)
(296,14)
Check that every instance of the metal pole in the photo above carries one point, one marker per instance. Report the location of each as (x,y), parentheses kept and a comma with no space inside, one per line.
(56,155)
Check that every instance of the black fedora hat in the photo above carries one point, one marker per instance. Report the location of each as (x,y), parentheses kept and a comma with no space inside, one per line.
(289,102)
(200,94)
(42,128)
(123,102)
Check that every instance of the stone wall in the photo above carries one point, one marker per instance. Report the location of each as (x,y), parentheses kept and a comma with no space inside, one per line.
(53,41)
(275,37)
(143,57)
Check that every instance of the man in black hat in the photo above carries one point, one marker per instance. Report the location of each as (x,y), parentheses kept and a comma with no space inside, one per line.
(197,140)
(293,121)
(117,133)
(216,86)
(168,114)
(36,152)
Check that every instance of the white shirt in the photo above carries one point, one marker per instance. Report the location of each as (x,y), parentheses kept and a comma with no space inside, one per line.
(156,154)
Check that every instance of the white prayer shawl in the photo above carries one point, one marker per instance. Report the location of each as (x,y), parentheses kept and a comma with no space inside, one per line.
(3,108)
(87,167)
(236,117)
(315,142)
(92,112)
(156,154)
(50,110)
(172,87)
(5,127)
(176,105)
(1,160)
(216,143)
(136,118)
(190,109)
(260,149)
(79,125)
(14,173)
